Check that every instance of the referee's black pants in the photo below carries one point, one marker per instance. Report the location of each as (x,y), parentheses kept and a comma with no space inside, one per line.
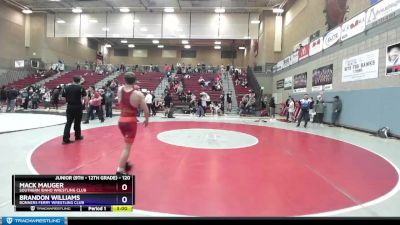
(74,115)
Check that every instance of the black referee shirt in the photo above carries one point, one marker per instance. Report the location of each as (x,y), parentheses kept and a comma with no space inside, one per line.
(73,94)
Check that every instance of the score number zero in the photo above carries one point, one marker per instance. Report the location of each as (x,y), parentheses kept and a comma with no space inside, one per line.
(124,187)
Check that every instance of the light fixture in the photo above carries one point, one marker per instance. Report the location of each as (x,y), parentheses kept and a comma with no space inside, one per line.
(169,10)
(219,10)
(55,0)
(217,42)
(136,21)
(185,42)
(60,21)
(131,46)
(105,29)
(187,46)
(246,37)
(160,46)
(156,41)
(93,21)
(242,48)
(26,11)
(144,29)
(77,10)
(124,10)
(277,10)
(107,45)
(124,41)
(255,21)
(217,47)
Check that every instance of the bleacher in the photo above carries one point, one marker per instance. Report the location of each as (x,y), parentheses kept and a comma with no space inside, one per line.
(193,86)
(90,77)
(241,91)
(26,81)
(149,81)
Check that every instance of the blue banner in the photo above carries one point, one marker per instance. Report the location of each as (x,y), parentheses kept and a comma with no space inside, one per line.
(33,220)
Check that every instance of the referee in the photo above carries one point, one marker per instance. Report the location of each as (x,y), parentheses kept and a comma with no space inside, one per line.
(73,95)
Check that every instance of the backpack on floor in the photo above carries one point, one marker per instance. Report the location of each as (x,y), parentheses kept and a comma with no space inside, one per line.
(383,132)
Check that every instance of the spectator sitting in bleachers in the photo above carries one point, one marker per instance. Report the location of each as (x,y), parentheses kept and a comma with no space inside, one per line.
(244,83)
(201,81)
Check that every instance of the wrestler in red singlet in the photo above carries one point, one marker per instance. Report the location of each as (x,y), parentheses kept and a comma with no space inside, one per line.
(129,100)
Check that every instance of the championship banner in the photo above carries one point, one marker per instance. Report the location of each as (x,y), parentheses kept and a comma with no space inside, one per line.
(316,46)
(393,60)
(304,52)
(332,37)
(381,12)
(361,67)
(353,27)
(322,78)
(295,58)
(288,83)
(280,84)
(300,83)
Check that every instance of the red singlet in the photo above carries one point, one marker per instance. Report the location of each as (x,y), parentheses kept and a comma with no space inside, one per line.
(127,121)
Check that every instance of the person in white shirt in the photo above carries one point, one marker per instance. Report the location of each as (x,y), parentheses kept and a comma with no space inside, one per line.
(149,100)
(305,108)
(291,110)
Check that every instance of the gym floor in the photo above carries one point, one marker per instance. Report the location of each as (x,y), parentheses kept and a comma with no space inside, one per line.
(216,166)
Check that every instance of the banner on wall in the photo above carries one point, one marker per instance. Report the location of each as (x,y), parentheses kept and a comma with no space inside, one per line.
(287,62)
(304,42)
(300,83)
(304,52)
(316,46)
(288,83)
(353,27)
(381,12)
(332,37)
(361,67)
(322,78)
(280,84)
(314,36)
(393,60)
(279,66)
(294,58)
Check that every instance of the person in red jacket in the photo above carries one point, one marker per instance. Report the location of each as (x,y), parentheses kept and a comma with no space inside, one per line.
(94,105)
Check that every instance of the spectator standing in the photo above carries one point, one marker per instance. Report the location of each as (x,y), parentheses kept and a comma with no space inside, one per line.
(337,108)
(291,110)
(109,99)
(319,110)
(272,107)
(11,99)
(305,108)
(3,98)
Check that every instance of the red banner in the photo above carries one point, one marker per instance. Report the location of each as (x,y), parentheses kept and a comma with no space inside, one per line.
(304,52)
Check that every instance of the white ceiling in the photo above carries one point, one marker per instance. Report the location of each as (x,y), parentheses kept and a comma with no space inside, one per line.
(147,5)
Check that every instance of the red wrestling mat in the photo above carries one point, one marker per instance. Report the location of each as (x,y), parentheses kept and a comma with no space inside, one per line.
(287,173)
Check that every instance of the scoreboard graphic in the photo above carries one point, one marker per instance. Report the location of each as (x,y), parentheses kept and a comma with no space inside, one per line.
(98,193)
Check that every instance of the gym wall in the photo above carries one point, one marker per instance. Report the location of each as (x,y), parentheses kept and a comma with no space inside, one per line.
(12,36)
(307,16)
(367,104)
(207,55)
(71,50)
